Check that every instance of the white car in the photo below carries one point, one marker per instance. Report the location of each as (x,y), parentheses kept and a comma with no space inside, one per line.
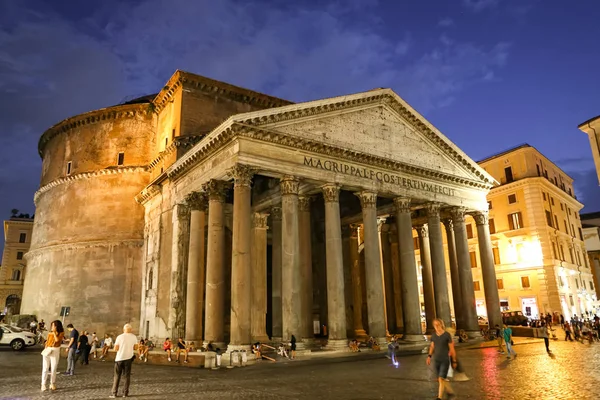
(16,338)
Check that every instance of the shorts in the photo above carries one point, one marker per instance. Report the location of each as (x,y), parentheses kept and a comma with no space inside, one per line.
(441,367)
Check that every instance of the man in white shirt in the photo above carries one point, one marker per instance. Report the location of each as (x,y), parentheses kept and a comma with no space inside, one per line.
(125,346)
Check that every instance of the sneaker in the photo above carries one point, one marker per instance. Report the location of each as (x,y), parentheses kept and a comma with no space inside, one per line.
(169,359)
(186,361)
(112,396)
(44,388)
(146,359)
(508,357)
(52,387)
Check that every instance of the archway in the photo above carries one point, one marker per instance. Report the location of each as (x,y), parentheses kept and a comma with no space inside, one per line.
(12,305)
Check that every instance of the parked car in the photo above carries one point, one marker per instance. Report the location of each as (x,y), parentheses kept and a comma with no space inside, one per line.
(15,337)
(515,318)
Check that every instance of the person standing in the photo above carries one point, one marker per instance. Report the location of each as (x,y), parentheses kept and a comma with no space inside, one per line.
(508,341)
(94,347)
(544,333)
(293,347)
(567,328)
(72,349)
(441,347)
(125,345)
(51,354)
(82,348)
(499,337)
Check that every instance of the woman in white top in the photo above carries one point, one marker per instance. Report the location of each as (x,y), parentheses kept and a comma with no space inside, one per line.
(94,344)
(107,345)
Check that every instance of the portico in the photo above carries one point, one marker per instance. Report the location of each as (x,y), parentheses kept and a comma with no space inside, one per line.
(269,195)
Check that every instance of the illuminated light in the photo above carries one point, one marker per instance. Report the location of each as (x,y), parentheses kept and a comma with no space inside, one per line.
(394,361)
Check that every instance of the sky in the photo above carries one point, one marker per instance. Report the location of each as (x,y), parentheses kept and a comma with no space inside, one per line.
(490,74)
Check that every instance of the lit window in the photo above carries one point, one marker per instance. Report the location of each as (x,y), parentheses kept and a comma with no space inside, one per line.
(469,231)
(473,259)
(69,168)
(19,255)
(515,221)
(22,238)
(512,198)
(500,284)
(496,255)
(121,159)
(525,282)
(476,286)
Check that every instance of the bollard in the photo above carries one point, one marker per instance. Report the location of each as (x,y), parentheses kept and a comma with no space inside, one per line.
(244,358)
(235,358)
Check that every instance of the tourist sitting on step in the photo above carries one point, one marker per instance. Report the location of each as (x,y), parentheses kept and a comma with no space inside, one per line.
(256,350)
(181,348)
(143,350)
(373,345)
(354,346)
(106,346)
(282,351)
(191,347)
(149,344)
(167,346)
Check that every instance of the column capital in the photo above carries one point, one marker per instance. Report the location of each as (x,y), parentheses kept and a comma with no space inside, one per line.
(354,231)
(276,213)
(381,224)
(367,198)
(458,214)
(402,204)
(241,174)
(422,231)
(304,203)
(433,209)
(448,223)
(197,200)
(216,190)
(289,185)
(481,217)
(331,192)
(259,220)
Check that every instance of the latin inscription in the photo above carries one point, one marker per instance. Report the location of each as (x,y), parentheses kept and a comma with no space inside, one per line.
(379,176)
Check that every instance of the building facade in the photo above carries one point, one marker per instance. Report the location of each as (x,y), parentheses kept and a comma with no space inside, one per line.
(17,239)
(255,217)
(591,235)
(592,128)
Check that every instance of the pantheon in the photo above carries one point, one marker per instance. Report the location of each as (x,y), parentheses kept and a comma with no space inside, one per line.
(226,216)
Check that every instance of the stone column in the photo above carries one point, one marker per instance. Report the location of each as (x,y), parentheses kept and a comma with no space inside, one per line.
(374,276)
(438,263)
(276,257)
(488,269)
(397,277)
(357,300)
(336,304)
(215,265)
(306,286)
(388,280)
(291,260)
(194,304)
(259,277)
(179,256)
(469,311)
(454,276)
(411,307)
(426,276)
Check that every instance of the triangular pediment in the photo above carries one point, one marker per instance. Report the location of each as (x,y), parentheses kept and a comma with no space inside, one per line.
(376,123)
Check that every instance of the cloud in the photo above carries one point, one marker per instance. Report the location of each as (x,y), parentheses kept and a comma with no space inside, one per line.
(446,22)
(479,5)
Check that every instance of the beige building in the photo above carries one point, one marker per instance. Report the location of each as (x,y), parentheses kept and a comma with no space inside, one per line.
(591,235)
(227,216)
(537,237)
(17,238)
(592,128)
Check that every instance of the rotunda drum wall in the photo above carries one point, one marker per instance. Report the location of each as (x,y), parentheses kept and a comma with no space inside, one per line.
(95,146)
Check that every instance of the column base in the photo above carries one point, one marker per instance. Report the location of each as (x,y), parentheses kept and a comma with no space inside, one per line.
(337,345)
(262,339)
(382,341)
(307,343)
(474,334)
(276,339)
(413,338)
(360,333)
(238,347)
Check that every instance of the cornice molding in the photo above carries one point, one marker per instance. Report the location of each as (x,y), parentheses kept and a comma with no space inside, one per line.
(84,245)
(180,141)
(537,182)
(87,175)
(91,117)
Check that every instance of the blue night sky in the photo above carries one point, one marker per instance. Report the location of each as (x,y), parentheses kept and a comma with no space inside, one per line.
(490,74)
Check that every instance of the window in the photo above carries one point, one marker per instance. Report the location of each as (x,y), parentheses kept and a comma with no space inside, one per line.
(561,283)
(19,255)
(512,198)
(173,135)
(16,275)
(544,195)
(549,218)
(552,200)
(120,158)
(492,226)
(561,207)
(504,305)
(566,227)
(570,193)
(500,284)
(22,238)
(496,253)
(150,279)
(577,283)
(571,300)
(591,285)
(538,170)
(556,226)
(580,234)
(572,230)
(469,231)
(489,205)
(554,251)
(416,243)
(476,286)
(571,256)
(509,175)
(569,210)
(525,282)
(473,259)
(515,221)
(583,283)
(166,142)
(562,253)
(69,168)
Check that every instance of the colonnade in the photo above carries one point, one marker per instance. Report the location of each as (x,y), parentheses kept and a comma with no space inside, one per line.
(292,291)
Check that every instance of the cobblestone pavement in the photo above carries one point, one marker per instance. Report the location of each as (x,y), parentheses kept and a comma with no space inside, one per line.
(572,372)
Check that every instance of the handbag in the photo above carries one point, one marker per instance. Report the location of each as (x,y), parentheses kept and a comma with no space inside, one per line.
(47,351)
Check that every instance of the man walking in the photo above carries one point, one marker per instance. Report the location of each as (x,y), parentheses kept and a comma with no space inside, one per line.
(508,341)
(125,346)
(444,355)
(72,349)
